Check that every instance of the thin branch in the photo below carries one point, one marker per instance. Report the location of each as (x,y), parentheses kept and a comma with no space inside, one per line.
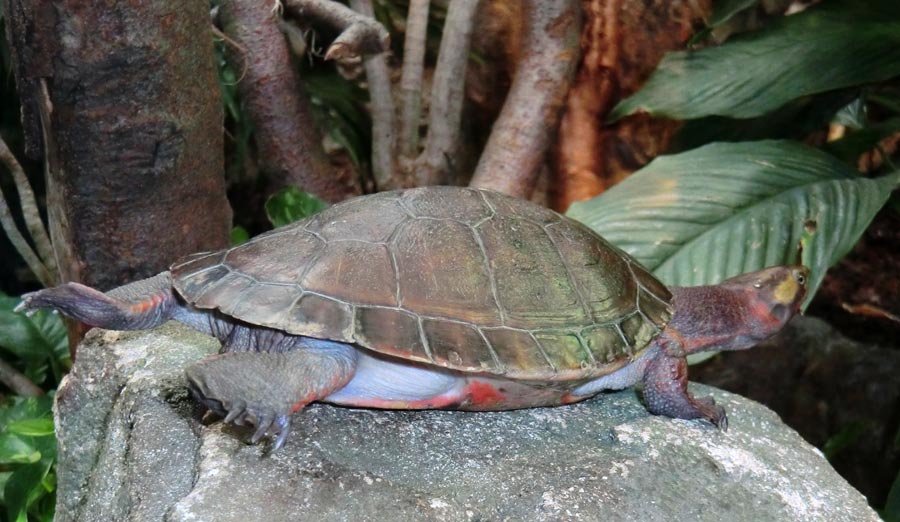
(411,79)
(17,382)
(52,171)
(360,34)
(30,212)
(515,151)
(12,232)
(447,93)
(383,117)
(289,146)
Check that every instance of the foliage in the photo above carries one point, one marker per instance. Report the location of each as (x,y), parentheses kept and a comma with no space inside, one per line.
(723,208)
(239,129)
(728,208)
(338,107)
(292,204)
(37,346)
(834,45)
(712,212)
(27,458)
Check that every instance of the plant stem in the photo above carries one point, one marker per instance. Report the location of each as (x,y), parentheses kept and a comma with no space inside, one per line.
(411,79)
(30,212)
(17,382)
(33,260)
(447,93)
(383,117)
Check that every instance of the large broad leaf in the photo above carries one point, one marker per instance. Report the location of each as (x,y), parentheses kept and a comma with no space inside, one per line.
(724,10)
(833,45)
(729,208)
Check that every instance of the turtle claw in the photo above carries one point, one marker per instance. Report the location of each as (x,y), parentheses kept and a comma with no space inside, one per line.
(283,422)
(712,412)
(273,425)
(263,424)
(236,412)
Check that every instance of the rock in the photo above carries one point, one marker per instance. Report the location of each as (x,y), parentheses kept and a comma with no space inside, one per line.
(829,388)
(132,447)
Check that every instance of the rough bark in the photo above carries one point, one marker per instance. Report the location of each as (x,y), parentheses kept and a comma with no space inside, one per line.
(289,147)
(135,179)
(621,45)
(515,151)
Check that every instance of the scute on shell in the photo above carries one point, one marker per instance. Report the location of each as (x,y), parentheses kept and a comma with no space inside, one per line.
(463,278)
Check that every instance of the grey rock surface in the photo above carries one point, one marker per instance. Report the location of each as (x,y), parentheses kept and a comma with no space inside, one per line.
(132,447)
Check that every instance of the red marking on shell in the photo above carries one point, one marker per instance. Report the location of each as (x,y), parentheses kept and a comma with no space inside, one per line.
(484,394)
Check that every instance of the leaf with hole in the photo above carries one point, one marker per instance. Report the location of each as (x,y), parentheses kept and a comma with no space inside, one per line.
(728,208)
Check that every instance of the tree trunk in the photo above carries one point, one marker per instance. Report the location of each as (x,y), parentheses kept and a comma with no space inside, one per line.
(132,126)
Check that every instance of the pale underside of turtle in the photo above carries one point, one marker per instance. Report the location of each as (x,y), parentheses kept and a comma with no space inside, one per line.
(430,298)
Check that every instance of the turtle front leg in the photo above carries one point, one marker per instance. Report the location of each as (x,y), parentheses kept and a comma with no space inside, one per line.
(135,306)
(665,388)
(265,388)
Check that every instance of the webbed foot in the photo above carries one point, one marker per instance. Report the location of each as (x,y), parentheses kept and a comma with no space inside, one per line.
(268,422)
(265,389)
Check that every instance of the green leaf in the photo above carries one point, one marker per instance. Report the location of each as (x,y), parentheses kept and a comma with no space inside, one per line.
(15,409)
(292,204)
(24,488)
(795,120)
(854,115)
(38,340)
(729,208)
(16,450)
(833,45)
(40,427)
(724,10)
(239,235)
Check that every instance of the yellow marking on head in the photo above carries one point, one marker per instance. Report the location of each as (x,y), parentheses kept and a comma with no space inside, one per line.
(786,291)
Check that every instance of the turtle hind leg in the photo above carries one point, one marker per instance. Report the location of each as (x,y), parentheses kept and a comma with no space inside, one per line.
(135,306)
(265,388)
(666,393)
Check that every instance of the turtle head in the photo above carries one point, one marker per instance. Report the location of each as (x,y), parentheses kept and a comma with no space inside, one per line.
(774,293)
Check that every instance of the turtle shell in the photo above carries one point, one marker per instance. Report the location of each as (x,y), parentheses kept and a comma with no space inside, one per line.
(461,278)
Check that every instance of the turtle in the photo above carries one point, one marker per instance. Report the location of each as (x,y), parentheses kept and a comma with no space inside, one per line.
(437,298)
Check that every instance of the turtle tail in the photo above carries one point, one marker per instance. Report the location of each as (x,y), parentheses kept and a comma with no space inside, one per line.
(136,306)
